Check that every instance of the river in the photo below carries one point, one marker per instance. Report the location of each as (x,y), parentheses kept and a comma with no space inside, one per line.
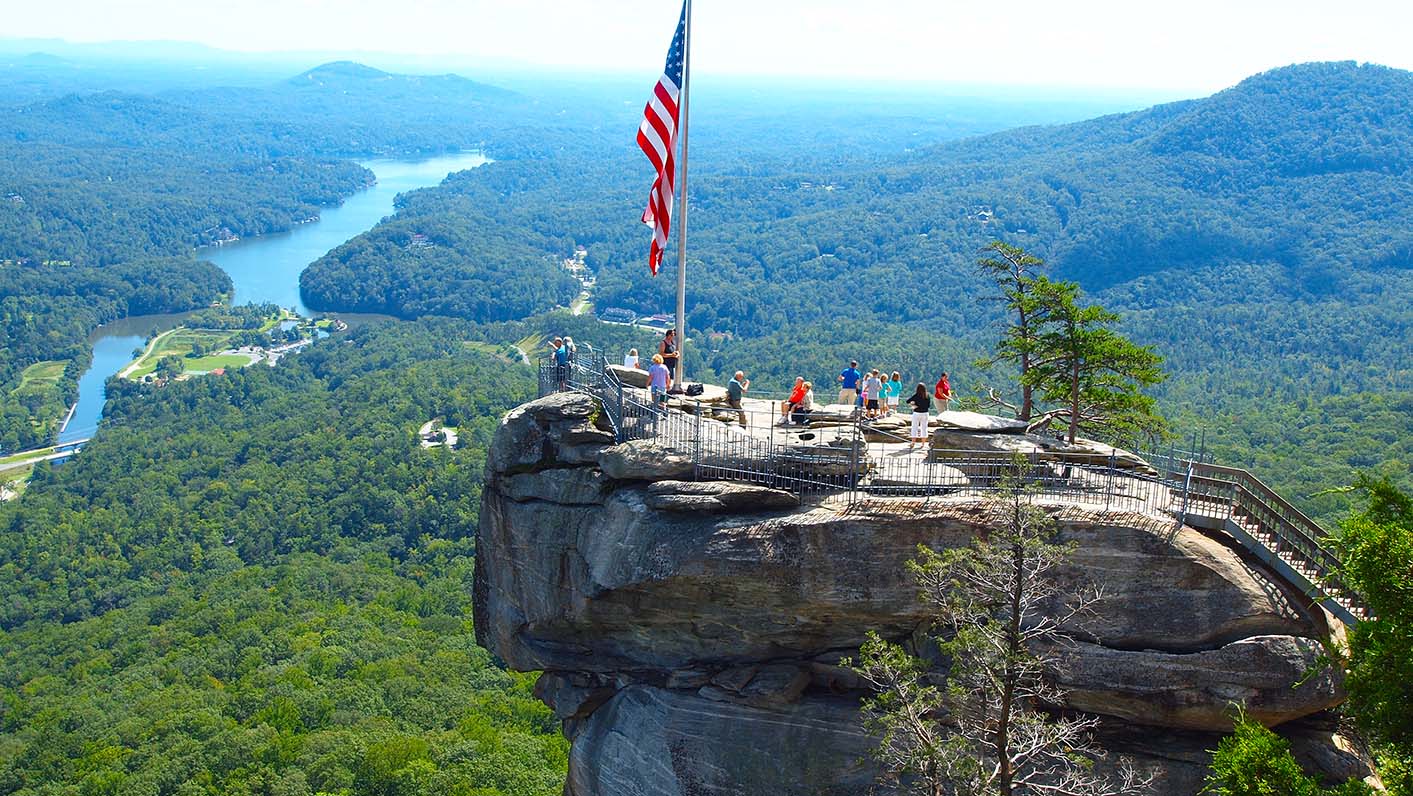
(264,269)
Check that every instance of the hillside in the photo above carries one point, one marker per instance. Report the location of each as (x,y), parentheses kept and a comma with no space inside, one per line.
(1258,237)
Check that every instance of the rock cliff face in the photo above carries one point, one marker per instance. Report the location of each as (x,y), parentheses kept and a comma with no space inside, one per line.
(691,633)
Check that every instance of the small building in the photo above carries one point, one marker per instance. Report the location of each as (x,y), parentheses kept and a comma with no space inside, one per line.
(618,315)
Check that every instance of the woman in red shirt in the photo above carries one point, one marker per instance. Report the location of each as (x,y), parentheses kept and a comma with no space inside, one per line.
(797,396)
(943,393)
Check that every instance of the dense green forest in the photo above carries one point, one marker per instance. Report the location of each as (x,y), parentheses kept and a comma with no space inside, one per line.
(261,584)
(1260,238)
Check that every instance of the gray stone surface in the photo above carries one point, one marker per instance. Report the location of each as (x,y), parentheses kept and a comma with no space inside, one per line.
(693,639)
(633,377)
(568,486)
(716,497)
(644,460)
(977,422)
(1196,690)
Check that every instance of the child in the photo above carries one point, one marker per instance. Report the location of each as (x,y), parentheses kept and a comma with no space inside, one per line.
(893,392)
(872,387)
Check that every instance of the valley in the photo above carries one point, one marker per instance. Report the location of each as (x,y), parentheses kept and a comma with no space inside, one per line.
(266,580)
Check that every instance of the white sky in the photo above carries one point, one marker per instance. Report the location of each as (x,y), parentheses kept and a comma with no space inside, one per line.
(1199,45)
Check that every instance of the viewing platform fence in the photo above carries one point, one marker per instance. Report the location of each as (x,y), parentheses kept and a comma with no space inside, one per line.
(851,459)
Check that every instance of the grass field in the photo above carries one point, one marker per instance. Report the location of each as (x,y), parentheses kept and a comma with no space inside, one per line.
(40,376)
(40,393)
(179,342)
(209,363)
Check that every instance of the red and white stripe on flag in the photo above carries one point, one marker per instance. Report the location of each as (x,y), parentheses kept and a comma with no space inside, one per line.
(657,137)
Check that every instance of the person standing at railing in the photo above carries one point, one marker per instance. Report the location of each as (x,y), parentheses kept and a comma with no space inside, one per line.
(892,393)
(921,405)
(560,355)
(735,391)
(872,389)
(659,380)
(849,384)
(667,349)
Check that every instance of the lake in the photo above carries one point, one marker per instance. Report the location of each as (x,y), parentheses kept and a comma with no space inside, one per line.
(264,269)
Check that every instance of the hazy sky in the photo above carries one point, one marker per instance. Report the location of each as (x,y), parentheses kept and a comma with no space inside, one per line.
(1199,45)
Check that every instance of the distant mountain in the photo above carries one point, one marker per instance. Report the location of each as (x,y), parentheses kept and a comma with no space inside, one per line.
(1305,166)
(339,71)
(349,109)
(352,77)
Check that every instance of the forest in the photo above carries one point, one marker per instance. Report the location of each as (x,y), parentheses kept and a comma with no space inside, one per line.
(260,584)
(1259,238)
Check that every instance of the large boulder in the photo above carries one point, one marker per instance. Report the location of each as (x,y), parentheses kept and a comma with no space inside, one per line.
(645,460)
(1200,690)
(632,377)
(977,423)
(716,497)
(692,633)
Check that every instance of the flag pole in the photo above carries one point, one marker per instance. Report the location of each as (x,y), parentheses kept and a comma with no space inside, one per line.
(682,206)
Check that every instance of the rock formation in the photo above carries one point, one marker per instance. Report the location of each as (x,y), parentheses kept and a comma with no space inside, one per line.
(690,633)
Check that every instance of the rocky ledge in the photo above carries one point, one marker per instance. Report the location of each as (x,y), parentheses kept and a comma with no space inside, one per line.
(690,633)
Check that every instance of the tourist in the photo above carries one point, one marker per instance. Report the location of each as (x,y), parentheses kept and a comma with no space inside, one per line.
(631,360)
(943,393)
(571,351)
(560,356)
(659,380)
(921,406)
(667,349)
(735,391)
(849,384)
(892,393)
(872,388)
(801,415)
(797,396)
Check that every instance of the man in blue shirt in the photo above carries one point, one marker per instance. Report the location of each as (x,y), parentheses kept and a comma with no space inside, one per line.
(849,384)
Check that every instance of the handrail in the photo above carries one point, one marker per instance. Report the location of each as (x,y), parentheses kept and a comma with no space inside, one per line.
(1183,486)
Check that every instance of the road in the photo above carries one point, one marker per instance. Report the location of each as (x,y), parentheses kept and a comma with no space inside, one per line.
(151,346)
(63,450)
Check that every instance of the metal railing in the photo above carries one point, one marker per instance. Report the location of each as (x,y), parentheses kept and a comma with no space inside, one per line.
(830,456)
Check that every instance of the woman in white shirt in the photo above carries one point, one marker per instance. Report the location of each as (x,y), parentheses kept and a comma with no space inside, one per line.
(631,360)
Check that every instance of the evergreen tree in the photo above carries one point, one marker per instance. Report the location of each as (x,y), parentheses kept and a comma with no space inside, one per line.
(1014,272)
(1092,372)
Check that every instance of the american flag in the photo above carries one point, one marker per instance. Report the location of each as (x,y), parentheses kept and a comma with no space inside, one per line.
(657,137)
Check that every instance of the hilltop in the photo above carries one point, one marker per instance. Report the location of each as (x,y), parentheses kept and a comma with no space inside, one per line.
(351,76)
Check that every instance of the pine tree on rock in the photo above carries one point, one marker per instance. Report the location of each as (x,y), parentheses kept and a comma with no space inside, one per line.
(1094,375)
(1014,271)
(986,732)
